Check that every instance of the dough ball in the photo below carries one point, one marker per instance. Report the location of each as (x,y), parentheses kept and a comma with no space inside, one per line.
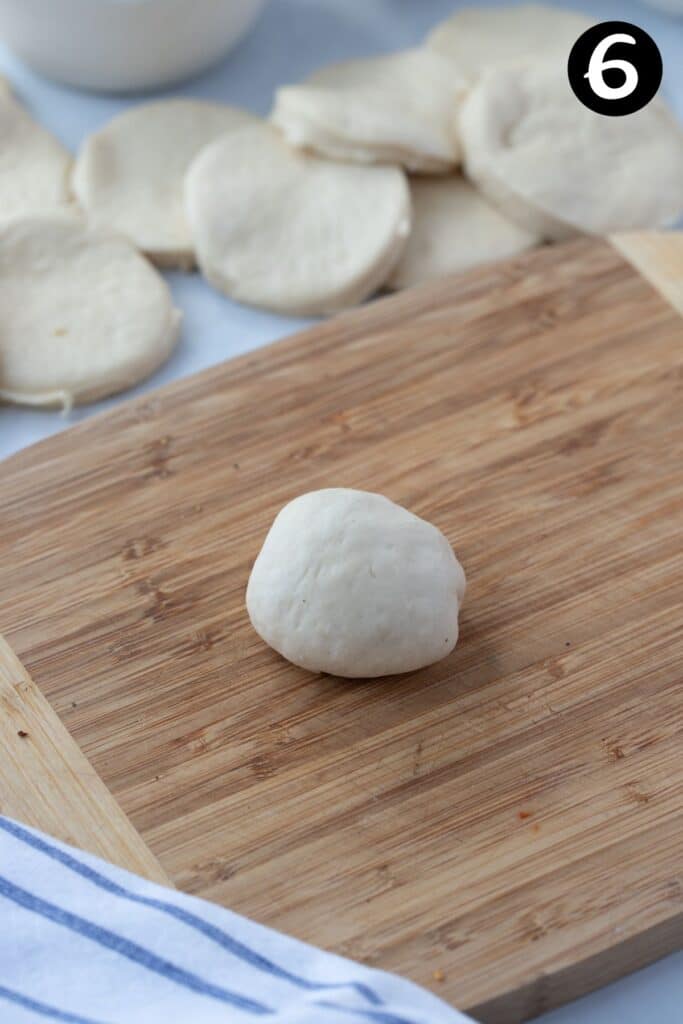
(398,109)
(351,584)
(557,168)
(479,38)
(34,166)
(82,314)
(289,232)
(454,229)
(129,176)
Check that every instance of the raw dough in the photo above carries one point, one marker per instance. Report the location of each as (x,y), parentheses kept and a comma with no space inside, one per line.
(454,229)
(479,38)
(129,176)
(349,583)
(34,166)
(559,169)
(283,230)
(82,314)
(397,109)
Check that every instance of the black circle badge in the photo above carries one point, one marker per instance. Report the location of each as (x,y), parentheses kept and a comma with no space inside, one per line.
(615,68)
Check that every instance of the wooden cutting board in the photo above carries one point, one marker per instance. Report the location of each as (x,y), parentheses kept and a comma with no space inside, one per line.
(505,827)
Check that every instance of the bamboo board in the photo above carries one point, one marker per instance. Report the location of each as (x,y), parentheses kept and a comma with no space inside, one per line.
(505,827)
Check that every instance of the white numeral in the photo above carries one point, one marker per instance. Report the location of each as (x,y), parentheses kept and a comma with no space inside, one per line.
(598,65)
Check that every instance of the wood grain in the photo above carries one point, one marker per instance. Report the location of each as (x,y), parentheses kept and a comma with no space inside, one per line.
(46,782)
(511,818)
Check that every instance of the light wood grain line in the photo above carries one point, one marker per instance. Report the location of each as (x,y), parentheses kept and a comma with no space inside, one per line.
(658,256)
(47,783)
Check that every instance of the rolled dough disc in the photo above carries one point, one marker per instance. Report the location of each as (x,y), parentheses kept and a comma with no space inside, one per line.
(287,231)
(397,109)
(82,313)
(129,175)
(559,169)
(454,229)
(477,39)
(34,166)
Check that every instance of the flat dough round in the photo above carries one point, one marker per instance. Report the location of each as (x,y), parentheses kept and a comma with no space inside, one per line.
(82,313)
(349,583)
(480,38)
(34,166)
(286,231)
(454,229)
(129,176)
(397,109)
(557,168)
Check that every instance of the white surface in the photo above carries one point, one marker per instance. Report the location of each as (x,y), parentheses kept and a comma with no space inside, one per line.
(134,44)
(291,39)
(95,944)
(671,6)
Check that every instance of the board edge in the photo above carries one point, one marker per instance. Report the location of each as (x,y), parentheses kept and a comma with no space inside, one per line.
(658,257)
(47,783)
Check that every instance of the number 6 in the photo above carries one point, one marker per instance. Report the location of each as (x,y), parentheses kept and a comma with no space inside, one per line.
(598,65)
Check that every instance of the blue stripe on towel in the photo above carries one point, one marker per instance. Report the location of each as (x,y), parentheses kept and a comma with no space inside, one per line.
(138,954)
(378,1016)
(217,935)
(42,1008)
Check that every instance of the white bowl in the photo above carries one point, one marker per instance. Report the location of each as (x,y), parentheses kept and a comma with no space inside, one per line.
(123,45)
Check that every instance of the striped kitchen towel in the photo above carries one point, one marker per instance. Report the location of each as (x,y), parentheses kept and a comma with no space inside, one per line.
(83,942)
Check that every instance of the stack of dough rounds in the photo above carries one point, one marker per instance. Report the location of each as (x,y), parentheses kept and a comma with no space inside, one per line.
(397,109)
(349,583)
(278,228)
(312,212)
(82,314)
(129,176)
(480,38)
(34,166)
(454,229)
(559,169)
